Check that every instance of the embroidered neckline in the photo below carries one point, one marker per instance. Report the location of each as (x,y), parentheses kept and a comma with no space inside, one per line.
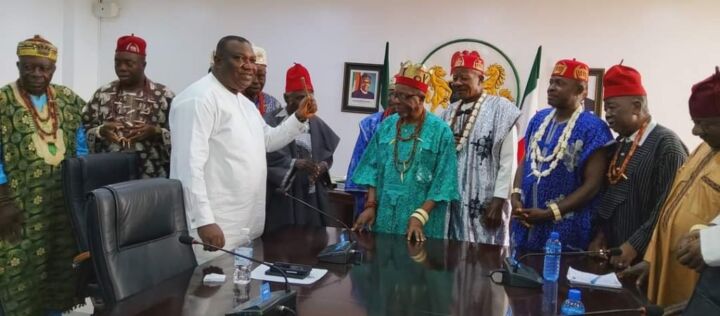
(558,152)
(469,123)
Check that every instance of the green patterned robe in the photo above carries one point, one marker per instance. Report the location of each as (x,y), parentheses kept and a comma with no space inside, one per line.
(432,175)
(36,273)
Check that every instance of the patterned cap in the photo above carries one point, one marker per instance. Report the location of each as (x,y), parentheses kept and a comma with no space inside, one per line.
(469,60)
(131,44)
(572,69)
(37,47)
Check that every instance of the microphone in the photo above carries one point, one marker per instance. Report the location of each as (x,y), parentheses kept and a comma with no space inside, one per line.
(188,240)
(603,252)
(340,252)
(516,274)
(648,310)
(277,301)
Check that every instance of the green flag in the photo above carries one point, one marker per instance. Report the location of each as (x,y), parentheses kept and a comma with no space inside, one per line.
(385,78)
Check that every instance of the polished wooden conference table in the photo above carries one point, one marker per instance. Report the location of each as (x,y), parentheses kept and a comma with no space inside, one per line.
(452,280)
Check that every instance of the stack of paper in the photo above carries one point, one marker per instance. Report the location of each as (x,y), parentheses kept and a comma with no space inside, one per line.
(609,280)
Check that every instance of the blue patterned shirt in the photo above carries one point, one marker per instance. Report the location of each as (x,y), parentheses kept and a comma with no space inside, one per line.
(589,134)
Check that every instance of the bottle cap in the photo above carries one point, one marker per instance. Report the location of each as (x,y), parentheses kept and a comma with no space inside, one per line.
(555,235)
(574,294)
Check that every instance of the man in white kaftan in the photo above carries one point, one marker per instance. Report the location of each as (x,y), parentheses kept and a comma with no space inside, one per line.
(219,144)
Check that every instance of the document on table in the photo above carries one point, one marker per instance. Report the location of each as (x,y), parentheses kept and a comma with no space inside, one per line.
(609,280)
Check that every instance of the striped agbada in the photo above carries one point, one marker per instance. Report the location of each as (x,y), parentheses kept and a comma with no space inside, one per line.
(629,208)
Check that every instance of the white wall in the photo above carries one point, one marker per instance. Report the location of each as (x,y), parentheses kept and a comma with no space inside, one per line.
(673,43)
(23,19)
(68,24)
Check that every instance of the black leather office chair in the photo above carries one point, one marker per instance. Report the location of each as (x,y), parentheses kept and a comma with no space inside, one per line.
(133,230)
(81,175)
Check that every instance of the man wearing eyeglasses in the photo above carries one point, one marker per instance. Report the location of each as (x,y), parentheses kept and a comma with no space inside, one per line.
(409,166)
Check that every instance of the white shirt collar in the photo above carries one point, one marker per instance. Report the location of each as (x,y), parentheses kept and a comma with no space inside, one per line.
(645,135)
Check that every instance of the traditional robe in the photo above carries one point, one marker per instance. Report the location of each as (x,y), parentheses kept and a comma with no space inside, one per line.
(693,199)
(486,167)
(431,176)
(219,143)
(151,105)
(266,103)
(36,274)
(283,175)
(368,127)
(589,134)
(629,208)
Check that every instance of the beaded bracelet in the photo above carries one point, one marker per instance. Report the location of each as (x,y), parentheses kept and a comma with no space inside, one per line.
(423,213)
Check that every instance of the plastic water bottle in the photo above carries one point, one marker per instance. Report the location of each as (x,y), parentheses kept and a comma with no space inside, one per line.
(550,294)
(553,248)
(242,265)
(241,294)
(573,304)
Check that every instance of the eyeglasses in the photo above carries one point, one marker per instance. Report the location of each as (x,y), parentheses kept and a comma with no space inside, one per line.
(404,96)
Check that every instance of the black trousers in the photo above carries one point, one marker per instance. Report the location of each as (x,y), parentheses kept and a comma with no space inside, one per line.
(706,298)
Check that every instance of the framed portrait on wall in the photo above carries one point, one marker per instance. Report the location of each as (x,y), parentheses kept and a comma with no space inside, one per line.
(593,102)
(361,88)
